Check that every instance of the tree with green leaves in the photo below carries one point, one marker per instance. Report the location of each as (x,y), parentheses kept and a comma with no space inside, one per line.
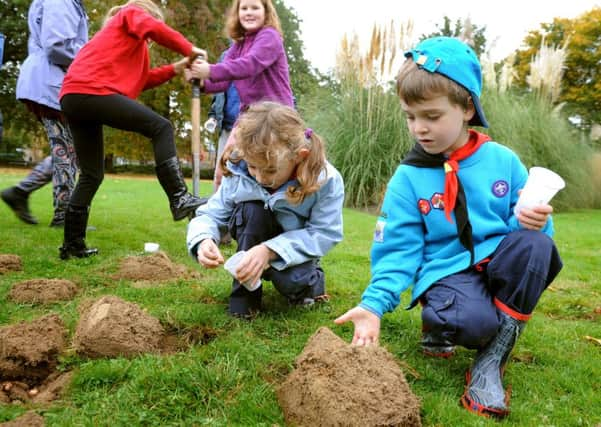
(13,18)
(581,82)
(21,127)
(202,22)
(464,30)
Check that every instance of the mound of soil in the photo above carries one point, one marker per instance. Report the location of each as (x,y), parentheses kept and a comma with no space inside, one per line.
(154,267)
(28,419)
(337,384)
(111,327)
(43,291)
(10,262)
(29,350)
(45,392)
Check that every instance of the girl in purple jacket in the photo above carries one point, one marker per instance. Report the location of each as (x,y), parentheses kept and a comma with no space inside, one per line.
(256,63)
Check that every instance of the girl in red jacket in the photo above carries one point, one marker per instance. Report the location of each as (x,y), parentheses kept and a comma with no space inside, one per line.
(99,89)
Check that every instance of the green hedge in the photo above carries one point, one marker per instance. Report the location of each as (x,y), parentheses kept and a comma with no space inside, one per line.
(149,170)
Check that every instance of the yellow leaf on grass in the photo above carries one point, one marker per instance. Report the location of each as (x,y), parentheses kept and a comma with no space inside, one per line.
(592,339)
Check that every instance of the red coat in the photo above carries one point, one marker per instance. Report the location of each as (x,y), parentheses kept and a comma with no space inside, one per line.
(116,60)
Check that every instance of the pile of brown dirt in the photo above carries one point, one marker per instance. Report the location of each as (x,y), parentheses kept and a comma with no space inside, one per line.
(111,327)
(154,268)
(28,419)
(10,262)
(28,358)
(43,291)
(337,384)
(45,392)
(30,350)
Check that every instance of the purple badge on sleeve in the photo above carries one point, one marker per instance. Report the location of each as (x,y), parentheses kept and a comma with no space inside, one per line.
(500,188)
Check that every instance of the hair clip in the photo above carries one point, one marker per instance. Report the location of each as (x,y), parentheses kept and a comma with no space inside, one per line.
(308,133)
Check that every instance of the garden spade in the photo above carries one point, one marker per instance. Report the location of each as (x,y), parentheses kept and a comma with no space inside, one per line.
(197,152)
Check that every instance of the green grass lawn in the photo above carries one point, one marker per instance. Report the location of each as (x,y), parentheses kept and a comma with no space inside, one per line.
(555,372)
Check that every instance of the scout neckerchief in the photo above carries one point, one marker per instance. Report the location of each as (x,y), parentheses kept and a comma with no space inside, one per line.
(454,196)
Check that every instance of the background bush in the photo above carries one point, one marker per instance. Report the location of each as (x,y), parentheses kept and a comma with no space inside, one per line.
(367,136)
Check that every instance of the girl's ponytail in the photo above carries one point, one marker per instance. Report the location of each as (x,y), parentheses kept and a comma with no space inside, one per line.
(309,170)
(269,132)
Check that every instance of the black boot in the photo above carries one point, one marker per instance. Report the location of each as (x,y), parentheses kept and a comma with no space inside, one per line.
(76,220)
(182,203)
(17,200)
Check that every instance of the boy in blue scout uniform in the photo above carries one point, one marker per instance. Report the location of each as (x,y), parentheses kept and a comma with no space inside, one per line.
(448,228)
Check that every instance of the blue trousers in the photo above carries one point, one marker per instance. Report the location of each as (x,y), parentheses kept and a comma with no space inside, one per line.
(250,225)
(463,308)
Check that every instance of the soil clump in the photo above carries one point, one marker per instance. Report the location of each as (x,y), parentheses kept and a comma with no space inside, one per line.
(28,358)
(28,419)
(111,327)
(154,267)
(9,262)
(336,384)
(43,291)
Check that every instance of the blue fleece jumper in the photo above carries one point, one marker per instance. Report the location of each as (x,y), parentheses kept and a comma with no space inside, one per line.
(415,245)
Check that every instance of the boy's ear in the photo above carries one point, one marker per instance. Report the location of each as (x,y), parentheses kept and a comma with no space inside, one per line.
(470,112)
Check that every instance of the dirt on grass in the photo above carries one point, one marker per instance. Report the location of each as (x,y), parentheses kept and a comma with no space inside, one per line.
(336,384)
(29,354)
(28,419)
(9,262)
(43,291)
(111,327)
(156,267)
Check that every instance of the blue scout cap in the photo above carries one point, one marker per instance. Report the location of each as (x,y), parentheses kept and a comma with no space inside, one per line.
(455,60)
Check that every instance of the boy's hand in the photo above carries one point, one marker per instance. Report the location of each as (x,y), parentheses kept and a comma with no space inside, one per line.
(367,326)
(536,217)
(255,261)
(209,255)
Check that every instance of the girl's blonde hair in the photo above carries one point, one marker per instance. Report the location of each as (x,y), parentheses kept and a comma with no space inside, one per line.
(269,132)
(415,85)
(235,31)
(147,5)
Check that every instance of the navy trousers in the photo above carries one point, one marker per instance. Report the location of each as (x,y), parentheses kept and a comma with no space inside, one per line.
(463,308)
(250,225)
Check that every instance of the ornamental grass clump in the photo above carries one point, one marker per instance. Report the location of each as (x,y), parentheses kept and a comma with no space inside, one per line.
(536,128)
(546,70)
(366,134)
